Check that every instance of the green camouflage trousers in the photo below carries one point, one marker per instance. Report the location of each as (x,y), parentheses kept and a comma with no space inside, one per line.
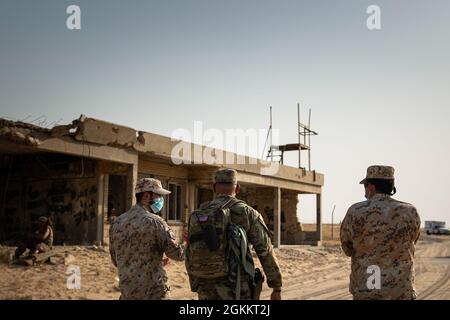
(222,290)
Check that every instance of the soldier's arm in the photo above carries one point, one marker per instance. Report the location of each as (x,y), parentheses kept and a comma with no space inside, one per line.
(111,246)
(170,246)
(113,255)
(49,239)
(258,236)
(346,235)
(417,225)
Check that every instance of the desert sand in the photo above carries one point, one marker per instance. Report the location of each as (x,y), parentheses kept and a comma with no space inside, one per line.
(309,273)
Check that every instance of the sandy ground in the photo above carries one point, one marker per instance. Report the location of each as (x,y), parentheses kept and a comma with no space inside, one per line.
(309,273)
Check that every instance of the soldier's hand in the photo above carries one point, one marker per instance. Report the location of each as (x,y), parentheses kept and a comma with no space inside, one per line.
(165,261)
(276,294)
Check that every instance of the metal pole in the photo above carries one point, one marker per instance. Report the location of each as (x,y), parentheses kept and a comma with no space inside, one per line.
(299,137)
(305,132)
(271,145)
(309,140)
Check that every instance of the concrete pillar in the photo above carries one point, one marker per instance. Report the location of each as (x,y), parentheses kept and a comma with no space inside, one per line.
(100,206)
(105,236)
(277,217)
(191,199)
(132,176)
(319,216)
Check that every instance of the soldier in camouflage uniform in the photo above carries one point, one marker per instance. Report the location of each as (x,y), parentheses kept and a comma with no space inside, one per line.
(225,186)
(381,232)
(138,240)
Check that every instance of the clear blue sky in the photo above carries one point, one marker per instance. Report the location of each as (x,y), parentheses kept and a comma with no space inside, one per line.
(377,97)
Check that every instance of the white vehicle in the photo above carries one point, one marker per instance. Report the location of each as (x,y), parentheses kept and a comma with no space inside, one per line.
(436,227)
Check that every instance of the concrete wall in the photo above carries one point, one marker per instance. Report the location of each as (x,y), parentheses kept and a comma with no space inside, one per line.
(262,199)
(63,188)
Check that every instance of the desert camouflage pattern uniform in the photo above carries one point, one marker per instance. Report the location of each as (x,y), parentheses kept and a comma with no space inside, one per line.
(258,235)
(381,231)
(138,240)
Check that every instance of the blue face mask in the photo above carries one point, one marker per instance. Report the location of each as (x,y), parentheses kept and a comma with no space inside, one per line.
(157,204)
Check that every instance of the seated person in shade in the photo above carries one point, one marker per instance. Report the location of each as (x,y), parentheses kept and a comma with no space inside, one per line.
(41,240)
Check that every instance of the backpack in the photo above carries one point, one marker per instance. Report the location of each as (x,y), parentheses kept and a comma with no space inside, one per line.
(240,261)
(207,251)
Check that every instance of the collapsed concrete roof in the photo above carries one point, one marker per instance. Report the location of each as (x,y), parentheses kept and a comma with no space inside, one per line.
(21,132)
(113,142)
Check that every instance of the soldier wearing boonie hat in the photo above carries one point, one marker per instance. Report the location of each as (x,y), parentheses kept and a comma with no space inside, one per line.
(139,238)
(380,234)
(150,185)
(379,172)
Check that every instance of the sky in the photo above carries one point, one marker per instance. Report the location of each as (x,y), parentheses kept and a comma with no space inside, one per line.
(376,96)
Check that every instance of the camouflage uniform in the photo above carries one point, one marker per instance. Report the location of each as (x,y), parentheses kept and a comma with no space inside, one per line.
(257,234)
(381,231)
(138,240)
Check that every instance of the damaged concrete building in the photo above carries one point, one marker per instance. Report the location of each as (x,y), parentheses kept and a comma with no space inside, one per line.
(79,173)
